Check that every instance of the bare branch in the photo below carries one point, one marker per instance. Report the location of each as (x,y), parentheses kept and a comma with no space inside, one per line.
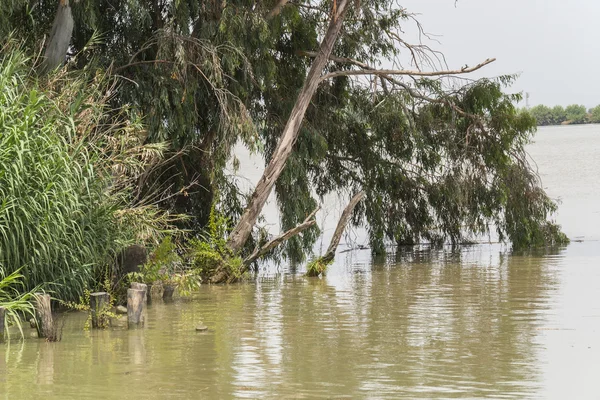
(382,72)
(308,222)
(277,9)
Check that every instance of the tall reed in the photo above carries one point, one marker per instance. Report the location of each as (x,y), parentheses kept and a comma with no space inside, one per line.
(68,170)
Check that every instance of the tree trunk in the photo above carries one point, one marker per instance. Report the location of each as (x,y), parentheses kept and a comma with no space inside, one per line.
(45,322)
(136,307)
(99,303)
(243,229)
(341,226)
(60,37)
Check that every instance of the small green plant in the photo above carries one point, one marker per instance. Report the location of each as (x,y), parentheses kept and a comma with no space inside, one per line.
(83,305)
(160,265)
(317,266)
(209,255)
(18,305)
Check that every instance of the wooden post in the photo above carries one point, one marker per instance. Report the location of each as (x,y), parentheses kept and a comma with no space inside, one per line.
(45,322)
(144,287)
(168,292)
(99,303)
(136,307)
(2,323)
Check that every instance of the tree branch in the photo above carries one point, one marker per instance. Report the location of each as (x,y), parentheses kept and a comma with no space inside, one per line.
(277,9)
(308,222)
(383,72)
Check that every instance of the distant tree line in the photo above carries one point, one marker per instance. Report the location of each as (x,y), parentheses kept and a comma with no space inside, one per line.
(573,114)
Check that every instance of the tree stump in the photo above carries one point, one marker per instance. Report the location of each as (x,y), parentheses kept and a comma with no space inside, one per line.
(45,322)
(99,303)
(144,287)
(136,307)
(2,323)
(168,292)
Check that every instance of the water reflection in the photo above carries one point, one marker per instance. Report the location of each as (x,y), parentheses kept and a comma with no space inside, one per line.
(428,324)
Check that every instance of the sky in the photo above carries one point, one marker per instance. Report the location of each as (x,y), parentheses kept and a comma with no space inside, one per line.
(553,44)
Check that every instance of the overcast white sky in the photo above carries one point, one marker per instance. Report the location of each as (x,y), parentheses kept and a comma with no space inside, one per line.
(554,44)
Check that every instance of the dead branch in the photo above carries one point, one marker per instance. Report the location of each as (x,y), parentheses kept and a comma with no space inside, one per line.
(385,77)
(308,222)
(382,72)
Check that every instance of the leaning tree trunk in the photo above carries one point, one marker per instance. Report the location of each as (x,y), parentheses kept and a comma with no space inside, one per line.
(243,229)
(341,226)
(319,266)
(60,37)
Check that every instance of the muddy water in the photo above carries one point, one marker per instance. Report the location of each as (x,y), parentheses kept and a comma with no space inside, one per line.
(422,324)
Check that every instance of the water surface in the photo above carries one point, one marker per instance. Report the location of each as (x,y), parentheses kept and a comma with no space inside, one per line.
(478,323)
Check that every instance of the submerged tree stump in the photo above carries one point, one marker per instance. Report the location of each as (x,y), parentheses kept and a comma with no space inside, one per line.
(136,308)
(144,287)
(99,303)
(45,322)
(168,291)
(2,322)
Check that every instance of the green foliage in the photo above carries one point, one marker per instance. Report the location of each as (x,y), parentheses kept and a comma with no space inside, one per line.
(17,301)
(558,115)
(543,115)
(576,114)
(66,168)
(83,305)
(594,116)
(317,267)
(166,266)
(209,255)
(160,264)
(573,114)
(206,75)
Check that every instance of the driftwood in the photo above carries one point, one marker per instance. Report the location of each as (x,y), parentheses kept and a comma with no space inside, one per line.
(308,222)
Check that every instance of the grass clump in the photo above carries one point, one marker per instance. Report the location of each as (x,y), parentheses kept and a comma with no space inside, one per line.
(317,266)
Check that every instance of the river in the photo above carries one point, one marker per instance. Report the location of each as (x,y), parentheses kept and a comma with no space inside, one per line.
(478,323)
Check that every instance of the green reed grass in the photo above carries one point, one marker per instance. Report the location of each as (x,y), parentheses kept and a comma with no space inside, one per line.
(66,174)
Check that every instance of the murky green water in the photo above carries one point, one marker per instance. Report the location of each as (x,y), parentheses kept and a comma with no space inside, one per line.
(424,324)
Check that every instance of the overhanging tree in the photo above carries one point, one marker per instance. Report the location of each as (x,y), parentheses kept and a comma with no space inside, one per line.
(437,156)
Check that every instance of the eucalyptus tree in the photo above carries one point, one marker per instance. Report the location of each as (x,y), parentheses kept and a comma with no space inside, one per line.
(439,157)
